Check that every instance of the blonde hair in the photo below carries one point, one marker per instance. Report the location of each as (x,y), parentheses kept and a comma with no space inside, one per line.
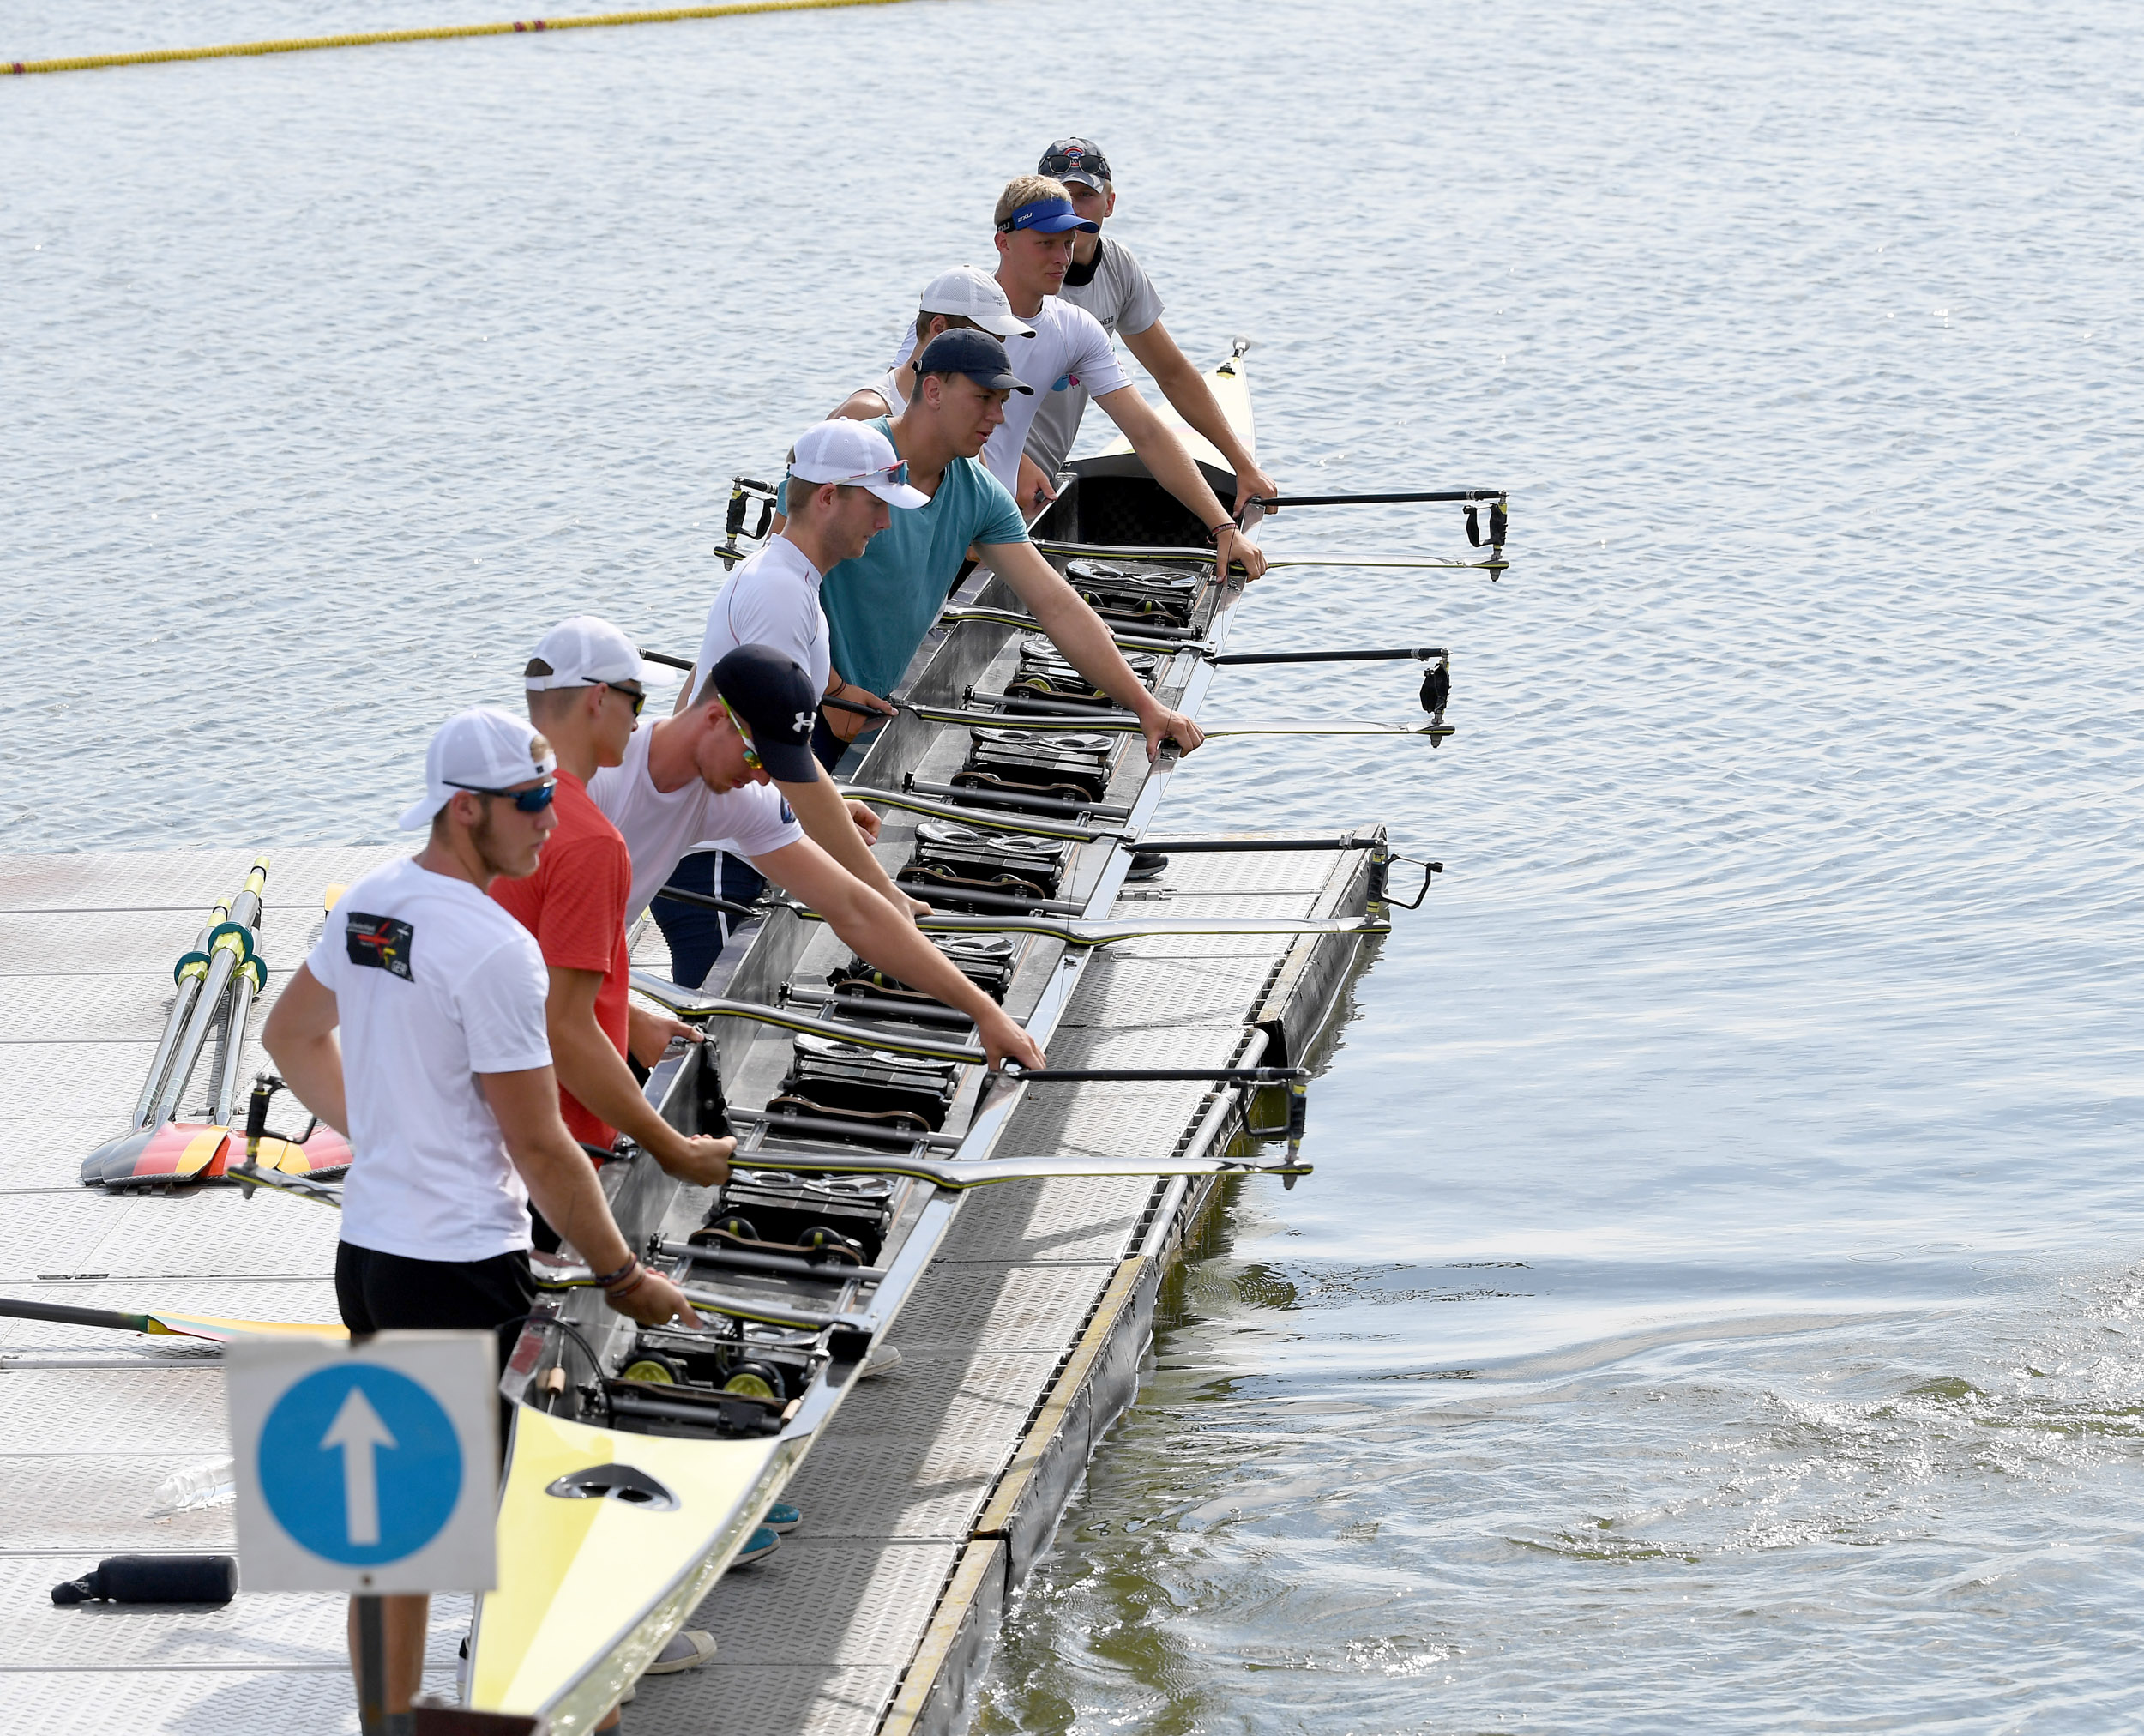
(1025,190)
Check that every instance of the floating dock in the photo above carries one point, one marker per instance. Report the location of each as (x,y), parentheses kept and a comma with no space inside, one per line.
(929,1499)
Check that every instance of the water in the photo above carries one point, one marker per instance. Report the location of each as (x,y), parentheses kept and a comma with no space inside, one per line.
(1718,1305)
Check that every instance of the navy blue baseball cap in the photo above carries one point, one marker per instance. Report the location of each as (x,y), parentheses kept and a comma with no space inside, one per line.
(979,355)
(1050,216)
(772,698)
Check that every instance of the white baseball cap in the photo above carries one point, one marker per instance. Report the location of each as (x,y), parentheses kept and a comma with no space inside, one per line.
(972,292)
(585,651)
(480,749)
(856,454)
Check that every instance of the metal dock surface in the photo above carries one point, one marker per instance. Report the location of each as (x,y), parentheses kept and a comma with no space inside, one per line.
(926,1502)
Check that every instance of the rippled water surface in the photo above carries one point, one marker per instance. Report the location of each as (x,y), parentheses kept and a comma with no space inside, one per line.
(1718,1303)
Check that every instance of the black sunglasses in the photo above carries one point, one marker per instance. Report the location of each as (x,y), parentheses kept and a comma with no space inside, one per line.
(532,800)
(1085,163)
(637,695)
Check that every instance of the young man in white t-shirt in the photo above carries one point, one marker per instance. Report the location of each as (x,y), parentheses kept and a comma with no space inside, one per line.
(1035,225)
(856,484)
(964,299)
(753,722)
(1106,279)
(441,1081)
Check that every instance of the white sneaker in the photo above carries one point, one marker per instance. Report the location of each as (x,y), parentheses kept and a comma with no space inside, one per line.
(882,1358)
(688,1649)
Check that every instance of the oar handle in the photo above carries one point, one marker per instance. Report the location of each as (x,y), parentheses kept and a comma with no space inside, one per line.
(667,661)
(1234,1075)
(1421,653)
(1452,496)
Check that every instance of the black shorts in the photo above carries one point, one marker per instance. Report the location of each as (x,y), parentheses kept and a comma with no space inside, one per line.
(390,1293)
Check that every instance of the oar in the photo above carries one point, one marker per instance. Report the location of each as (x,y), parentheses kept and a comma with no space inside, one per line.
(682,1002)
(187,973)
(1076,931)
(1443,495)
(1076,720)
(679,894)
(1026,825)
(957,1176)
(1174,556)
(232,944)
(1191,643)
(163,1325)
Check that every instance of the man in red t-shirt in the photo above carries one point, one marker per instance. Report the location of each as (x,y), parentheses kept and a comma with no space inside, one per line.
(585,688)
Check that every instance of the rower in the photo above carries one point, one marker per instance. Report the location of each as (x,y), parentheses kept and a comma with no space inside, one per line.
(966,297)
(442,1082)
(1105,278)
(585,689)
(773,599)
(706,773)
(882,603)
(1035,226)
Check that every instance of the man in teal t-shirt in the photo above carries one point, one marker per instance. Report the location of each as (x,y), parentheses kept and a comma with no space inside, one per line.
(878,613)
(880,606)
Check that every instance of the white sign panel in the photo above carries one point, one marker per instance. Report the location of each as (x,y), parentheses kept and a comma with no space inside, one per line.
(369,1467)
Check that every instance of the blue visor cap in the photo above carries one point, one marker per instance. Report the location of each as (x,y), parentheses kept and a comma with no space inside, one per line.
(1050,216)
(976,355)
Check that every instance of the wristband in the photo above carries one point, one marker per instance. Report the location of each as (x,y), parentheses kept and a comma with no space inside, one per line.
(626,1288)
(632,1263)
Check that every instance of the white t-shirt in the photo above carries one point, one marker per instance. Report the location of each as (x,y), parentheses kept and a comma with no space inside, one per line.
(771,599)
(434,984)
(660,828)
(1120,295)
(1069,348)
(893,386)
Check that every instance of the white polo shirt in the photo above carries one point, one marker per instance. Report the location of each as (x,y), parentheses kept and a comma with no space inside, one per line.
(434,984)
(771,599)
(662,827)
(1070,348)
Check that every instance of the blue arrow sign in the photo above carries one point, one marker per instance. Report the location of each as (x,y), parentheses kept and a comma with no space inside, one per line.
(360,1464)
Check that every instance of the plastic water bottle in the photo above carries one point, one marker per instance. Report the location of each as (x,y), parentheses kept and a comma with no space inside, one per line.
(207,1485)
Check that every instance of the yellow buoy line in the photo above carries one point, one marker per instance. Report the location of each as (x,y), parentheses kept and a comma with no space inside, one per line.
(365,39)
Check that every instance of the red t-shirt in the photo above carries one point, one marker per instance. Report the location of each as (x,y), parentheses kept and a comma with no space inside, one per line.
(575,905)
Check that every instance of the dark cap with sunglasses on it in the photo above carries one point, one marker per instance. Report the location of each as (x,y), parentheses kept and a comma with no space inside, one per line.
(481,750)
(1075,159)
(771,699)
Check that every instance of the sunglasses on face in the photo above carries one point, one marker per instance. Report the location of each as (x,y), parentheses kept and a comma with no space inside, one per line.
(637,695)
(531,800)
(751,754)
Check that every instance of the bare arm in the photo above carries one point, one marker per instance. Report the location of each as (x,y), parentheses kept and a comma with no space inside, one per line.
(892,943)
(862,406)
(1186,387)
(300,1039)
(596,1074)
(1163,453)
(563,1185)
(828,822)
(1075,629)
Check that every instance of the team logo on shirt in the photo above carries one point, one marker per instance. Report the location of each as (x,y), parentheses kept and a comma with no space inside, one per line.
(379,943)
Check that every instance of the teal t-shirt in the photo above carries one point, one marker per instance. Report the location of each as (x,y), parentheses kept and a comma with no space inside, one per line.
(880,605)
